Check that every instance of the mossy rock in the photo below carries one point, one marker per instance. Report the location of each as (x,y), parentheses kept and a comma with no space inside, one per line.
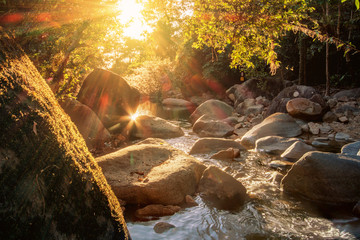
(51,187)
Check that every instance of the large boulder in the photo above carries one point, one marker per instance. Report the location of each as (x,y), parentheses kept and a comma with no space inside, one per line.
(297,150)
(274,144)
(87,122)
(325,177)
(212,145)
(304,109)
(212,128)
(278,104)
(278,124)
(350,93)
(146,126)
(51,187)
(109,96)
(151,172)
(351,149)
(221,188)
(174,108)
(253,88)
(216,109)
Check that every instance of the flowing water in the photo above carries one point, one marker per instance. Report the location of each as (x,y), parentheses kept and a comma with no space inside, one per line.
(269,214)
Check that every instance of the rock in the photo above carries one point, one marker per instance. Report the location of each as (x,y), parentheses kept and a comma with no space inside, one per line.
(278,124)
(161,227)
(297,150)
(340,136)
(351,93)
(262,101)
(304,109)
(255,110)
(190,202)
(343,119)
(332,102)
(347,110)
(175,102)
(281,165)
(330,117)
(325,128)
(208,145)
(222,189)
(51,187)
(325,177)
(146,126)
(278,104)
(314,128)
(156,210)
(254,88)
(109,96)
(216,109)
(351,149)
(87,122)
(212,128)
(241,132)
(274,144)
(232,121)
(151,172)
(228,154)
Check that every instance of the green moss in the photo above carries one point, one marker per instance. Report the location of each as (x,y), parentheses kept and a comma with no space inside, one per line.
(53,187)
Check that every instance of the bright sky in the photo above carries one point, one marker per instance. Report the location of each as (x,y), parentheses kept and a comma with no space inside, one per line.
(131,15)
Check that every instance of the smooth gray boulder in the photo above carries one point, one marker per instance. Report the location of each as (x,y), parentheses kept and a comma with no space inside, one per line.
(216,109)
(277,124)
(325,177)
(212,145)
(274,144)
(297,150)
(351,149)
(212,128)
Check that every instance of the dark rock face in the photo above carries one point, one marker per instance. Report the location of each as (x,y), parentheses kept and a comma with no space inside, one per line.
(253,88)
(51,187)
(88,123)
(109,96)
(297,91)
(325,177)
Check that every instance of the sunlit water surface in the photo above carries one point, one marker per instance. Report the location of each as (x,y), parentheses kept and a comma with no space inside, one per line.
(269,214)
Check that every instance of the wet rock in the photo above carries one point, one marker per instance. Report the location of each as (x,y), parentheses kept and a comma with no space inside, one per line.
(228,154)
(325,177)
(281,165)
(304,109)
(330,117)
(222,189)
(109,96)
(274,144)
(190,202)
(212,128)
(154,127)
(340,136)
(351,149)
(216,109)
(208,145)
(87,122)
(278,124)
(297,150)
(151,172)
(161,227)
(156,210)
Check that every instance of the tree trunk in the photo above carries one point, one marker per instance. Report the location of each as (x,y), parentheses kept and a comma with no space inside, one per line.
(327,90)
(59,74)
(51,186)
(302,59)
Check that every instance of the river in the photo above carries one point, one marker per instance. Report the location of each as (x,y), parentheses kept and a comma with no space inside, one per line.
(269,214)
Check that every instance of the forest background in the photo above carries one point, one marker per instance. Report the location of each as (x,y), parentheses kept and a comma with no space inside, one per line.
(312,42)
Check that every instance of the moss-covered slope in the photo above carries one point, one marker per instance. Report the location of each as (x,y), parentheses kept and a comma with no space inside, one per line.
(50,185)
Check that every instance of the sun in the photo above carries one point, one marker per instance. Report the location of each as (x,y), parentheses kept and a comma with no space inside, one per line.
(131,16)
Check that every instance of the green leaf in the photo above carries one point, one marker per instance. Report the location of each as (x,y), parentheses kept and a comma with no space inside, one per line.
(357,4)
